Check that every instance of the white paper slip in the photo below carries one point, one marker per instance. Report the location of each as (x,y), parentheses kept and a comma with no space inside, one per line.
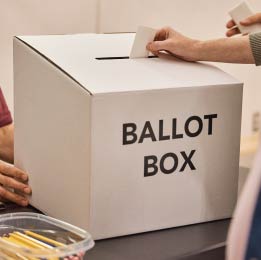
(143,36)
(241,12)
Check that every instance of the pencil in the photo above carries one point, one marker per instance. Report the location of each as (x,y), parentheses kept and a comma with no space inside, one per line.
(18,243)
(27,242)
(37,245)
(44,239)
(40,243)
(37,242)
(11,256)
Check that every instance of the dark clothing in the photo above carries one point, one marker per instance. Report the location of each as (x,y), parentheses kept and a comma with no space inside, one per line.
(255,42)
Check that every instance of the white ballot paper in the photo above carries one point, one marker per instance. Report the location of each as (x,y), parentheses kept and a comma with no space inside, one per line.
(144,35)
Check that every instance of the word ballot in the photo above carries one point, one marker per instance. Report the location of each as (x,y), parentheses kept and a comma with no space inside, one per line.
(130,137)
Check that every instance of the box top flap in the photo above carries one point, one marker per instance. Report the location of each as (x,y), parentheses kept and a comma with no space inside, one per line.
(77,55)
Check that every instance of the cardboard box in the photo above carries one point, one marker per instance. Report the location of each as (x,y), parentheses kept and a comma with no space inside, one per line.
(120,146)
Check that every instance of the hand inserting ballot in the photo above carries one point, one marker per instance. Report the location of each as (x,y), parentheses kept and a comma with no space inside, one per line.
(173,42)
(229,50)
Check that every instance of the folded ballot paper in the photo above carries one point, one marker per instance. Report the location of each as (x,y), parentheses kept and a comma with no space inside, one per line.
(244,240)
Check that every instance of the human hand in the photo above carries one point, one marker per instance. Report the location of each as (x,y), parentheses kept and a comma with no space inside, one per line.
(174,43)
(13,184)
(233,29)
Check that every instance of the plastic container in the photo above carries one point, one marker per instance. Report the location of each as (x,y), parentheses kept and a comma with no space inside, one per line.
(71,241)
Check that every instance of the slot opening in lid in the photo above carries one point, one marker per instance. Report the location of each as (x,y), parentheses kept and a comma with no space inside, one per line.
(119,58)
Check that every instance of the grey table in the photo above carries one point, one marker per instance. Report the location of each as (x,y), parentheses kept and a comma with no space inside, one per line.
(175,243)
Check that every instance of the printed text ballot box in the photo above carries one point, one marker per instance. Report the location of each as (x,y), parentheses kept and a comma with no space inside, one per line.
(121,146)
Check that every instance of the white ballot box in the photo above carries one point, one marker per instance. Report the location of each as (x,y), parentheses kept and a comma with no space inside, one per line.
(120,146)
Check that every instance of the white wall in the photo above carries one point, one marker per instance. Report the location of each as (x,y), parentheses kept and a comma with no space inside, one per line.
(21,17)
(202,19)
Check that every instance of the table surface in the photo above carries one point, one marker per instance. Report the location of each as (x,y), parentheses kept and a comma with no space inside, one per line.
(166,244)
(175,243)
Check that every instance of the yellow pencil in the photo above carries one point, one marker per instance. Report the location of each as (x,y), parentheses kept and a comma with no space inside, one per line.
(10,255)
(35,242)
(43,238)
(22,257)
(17,240)
(26,241)
(40,243)
(17,243)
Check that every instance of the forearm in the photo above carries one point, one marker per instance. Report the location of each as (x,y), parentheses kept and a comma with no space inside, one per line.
(229,50)
(7,143)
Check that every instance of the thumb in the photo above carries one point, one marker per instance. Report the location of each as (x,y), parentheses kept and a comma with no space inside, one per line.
(256,18)
(158,46)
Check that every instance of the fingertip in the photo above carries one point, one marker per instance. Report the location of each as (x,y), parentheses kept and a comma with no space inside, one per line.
(157,46)
(228,34)
(148,46)
(155,53)
(27,190)
(232,32)
(245,22)
(230,24)
(24,203)
(25,177)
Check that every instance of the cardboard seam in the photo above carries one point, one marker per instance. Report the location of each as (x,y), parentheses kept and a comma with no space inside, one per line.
(137,92)
(90,168)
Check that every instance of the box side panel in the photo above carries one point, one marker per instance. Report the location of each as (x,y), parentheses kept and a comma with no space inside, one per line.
(52,136)
(123,200)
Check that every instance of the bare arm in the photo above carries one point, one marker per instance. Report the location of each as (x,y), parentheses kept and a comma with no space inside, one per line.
(7,143)
(231,50)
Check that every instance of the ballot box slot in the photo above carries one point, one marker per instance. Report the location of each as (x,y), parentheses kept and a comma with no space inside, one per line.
(120,58)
